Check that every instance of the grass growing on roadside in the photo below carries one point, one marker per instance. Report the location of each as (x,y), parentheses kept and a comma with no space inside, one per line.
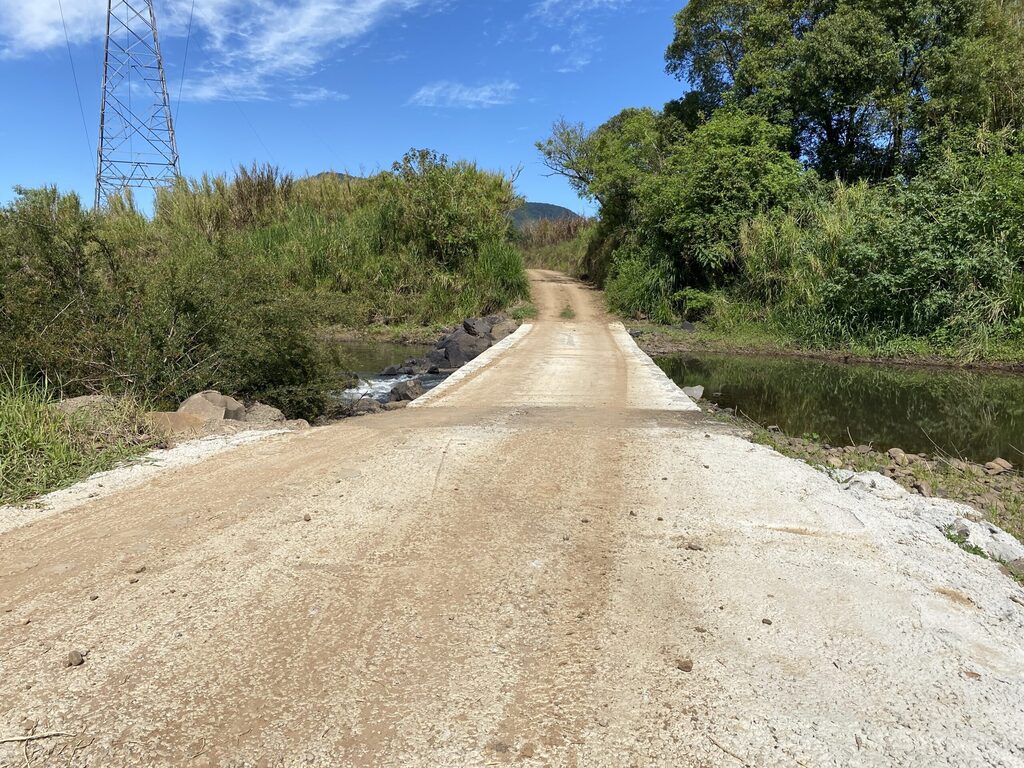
(568,313)
(230,282)
(961,541)
(43,448)
(524,311)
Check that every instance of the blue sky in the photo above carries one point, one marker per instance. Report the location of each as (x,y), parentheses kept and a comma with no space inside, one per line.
(311,85)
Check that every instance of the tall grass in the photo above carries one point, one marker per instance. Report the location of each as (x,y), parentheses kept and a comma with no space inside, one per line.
(557,244)
(228,283)
(42,448)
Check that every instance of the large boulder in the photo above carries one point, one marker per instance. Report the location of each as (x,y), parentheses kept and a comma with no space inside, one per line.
(365,406)
(503,329)
(213,406)
(436,358)
(477,326)
(407,391)
(88,405)
(169,424)
(460,347)
(258,413)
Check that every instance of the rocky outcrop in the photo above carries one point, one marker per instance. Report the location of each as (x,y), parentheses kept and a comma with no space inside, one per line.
(407,391)
(456,348)
(211,413)
(258,413)
(213,406)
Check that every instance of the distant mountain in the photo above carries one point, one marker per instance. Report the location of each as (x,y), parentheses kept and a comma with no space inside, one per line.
(539,212)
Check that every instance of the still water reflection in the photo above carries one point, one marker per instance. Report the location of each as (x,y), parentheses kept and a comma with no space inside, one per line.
(976,415)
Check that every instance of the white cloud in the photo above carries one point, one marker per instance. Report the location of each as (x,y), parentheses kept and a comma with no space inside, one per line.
(247,46)
(316,95)
(567,10)
(449,94)
(575,52)
(28,27)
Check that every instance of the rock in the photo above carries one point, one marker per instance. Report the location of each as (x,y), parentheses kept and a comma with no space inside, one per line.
(835,462)
(1016,567)
(75,659)
(391,370)
(213,406)
(258,413)
(766,622)
(636,334)
(307,517)
(503,329)
(396,406)
(88,404)
(687,327)
(233,410)
(863,450)
(407,391)
(477,326)
(199,406)
(436,358)
(299,425)
(899,457)
(923,488)
(460,347)
(694,393)
(170,424)
(684,665)
(366,406)
(28,726)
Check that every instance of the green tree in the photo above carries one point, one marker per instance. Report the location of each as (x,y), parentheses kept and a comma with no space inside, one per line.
(861,84)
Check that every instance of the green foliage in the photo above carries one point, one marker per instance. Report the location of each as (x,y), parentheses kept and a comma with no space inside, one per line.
(841,265)
(640,286)
(728,170)
(560,245)
(43,448)
(227,285)
(865,88)
(844,173)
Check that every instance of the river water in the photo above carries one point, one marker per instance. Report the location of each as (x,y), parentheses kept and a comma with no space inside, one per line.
(366,359)
(975,415)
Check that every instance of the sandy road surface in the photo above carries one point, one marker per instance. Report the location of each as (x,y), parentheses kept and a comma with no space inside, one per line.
(553,562)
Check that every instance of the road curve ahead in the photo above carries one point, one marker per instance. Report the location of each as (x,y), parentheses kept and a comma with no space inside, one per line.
(554,561)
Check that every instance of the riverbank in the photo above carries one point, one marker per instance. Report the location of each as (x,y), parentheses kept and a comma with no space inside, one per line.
(660,340)
(995,490)
(409,334)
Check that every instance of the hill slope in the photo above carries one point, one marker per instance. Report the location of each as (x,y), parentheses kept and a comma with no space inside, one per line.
(531,212)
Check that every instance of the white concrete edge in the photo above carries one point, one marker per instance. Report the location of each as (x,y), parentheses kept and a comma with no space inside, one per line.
(673,398)
(470,368)
(129,475)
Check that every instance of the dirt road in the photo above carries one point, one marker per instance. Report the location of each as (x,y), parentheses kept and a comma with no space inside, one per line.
(553,561)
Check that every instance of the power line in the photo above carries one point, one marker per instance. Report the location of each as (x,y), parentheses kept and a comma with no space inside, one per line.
(184,62)
(74,76)
(254,131)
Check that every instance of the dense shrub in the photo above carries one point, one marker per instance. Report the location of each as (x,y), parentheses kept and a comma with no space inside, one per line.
(227,284)
(842,173)
(43,448)
(940,256)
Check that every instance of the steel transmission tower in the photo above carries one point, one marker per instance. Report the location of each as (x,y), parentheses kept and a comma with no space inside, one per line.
(137,147)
